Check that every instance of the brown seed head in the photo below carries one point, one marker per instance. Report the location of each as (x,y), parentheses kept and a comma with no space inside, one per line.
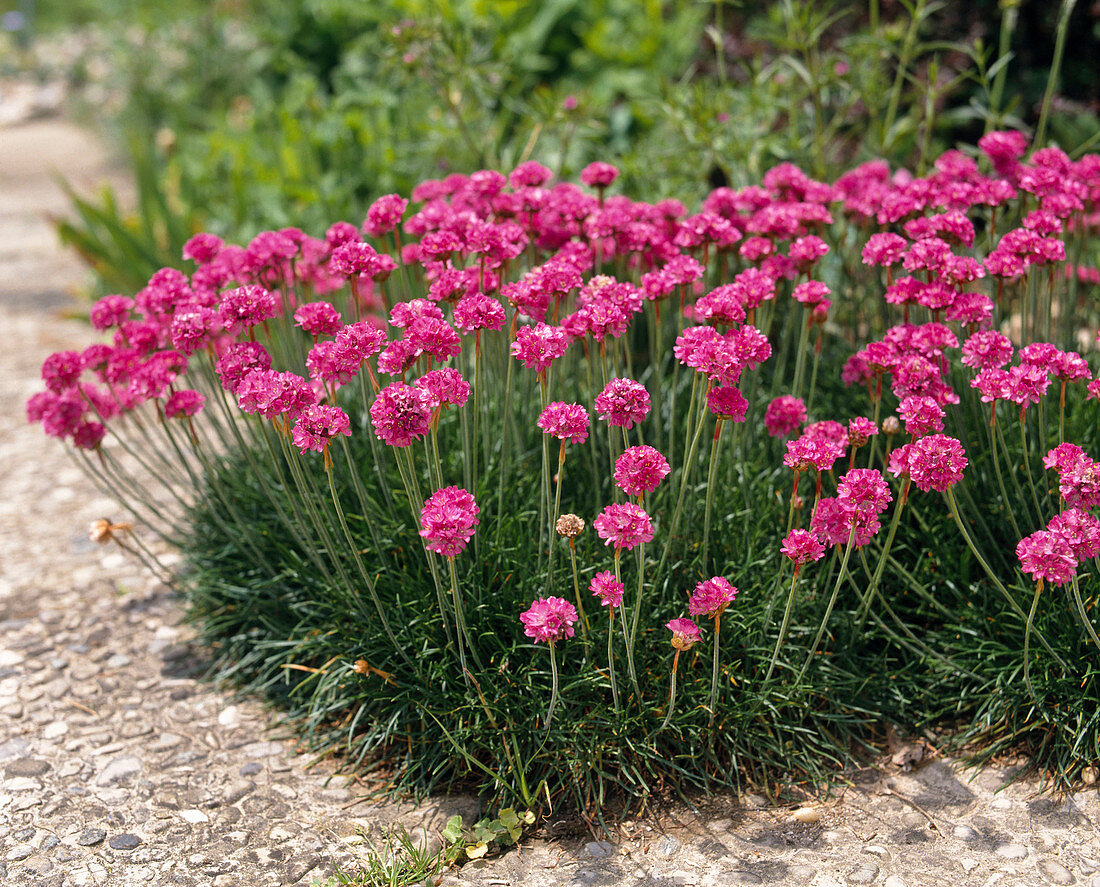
(570,526)
(102,530)
(891,425)
(361,666)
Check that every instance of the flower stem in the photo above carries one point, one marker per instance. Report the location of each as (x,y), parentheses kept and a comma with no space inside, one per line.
(714,670)
(671,692)
(553,688)
(611,657)
(832,602)
(783,628)
(1027,639)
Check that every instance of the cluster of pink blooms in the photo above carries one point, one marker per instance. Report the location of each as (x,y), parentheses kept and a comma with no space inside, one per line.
(711,597)
(640,470)
(549,619)
(624,526)
(447,521)
(607,588)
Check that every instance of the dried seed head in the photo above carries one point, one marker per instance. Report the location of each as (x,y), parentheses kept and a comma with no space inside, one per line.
(361,666)
(102,530)
(570,526)
(891,425)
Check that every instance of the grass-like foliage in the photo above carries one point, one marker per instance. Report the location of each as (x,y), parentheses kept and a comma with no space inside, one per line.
(581,500)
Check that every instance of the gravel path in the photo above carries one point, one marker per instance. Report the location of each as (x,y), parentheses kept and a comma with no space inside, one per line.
(120,768)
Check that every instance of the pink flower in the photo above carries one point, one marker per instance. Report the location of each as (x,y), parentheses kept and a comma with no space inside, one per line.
(607,588)
(598,174)
(401,413)
(860,430)
(247,306)
(110,311)
(238,360)
(384,214)
(478,311)
(549,619)
(565,421)
(864,490)
(640,469)
(1080,529)
(711,597)
(624,525)
(1047,555)
(447,521)
(446,385)
(318,425)
(183,403)
(832,523)
(936,462)
(884,249)
(784,415)
(62,369)
(538,346)
(318,319)
(623,402)
(685,633)
(921,415)
(802,547)
(727,402)
(985,349)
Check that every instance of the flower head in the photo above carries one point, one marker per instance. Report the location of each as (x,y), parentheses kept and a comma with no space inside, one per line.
(711,597)
(447,520)
(549,619)
(1047,555)
(569,526)
(624,525)
(802,547)
(536,347)
(607,588)
(936,462)
(685,633)
(640,469)
(401,413)
(784,415)
(317,425)
(565,421)
(727,402)
(623,402)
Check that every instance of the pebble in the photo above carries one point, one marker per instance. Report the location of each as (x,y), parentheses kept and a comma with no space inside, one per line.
(90,836)
(1010,851)
(119,769)
(598,849)
(864,873)
(1055,872)
(806,814)
(124,842)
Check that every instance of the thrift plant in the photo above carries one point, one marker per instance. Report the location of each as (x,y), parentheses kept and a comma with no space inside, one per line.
(856,400)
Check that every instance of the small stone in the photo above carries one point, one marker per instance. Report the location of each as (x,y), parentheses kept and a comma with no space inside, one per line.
(598,849)
(280,834)
(19,851)
(742,877)
(806,814)
(118,661)
(968,865)
(90,836)
(262,749)
(124,842)
(26,767)
(297,869)
(48,843)
(194,816)
(864,873)
(1055,872)
(230,717)
(1010,851)
(251,768)
(55,730)
(225,881)
(667,845)
(1089,775)
(119,769)
(876,849)
(894,881)
(965,832)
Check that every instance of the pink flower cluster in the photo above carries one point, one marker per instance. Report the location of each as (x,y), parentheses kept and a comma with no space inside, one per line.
(549,619)
(447,520)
